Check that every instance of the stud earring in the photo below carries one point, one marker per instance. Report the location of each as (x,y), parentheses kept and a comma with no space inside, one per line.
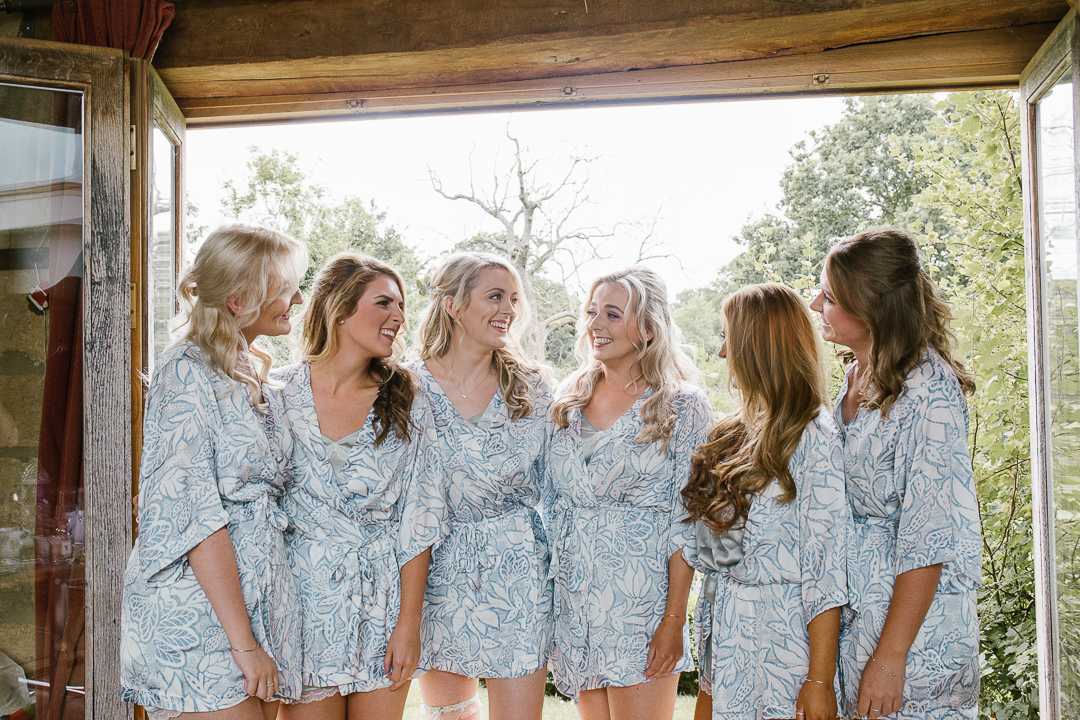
(340,322)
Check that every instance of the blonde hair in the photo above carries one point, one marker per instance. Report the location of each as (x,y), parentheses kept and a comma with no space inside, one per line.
(665,366)
(456,278)
(253,265)
(334,296)
(877,277)
(775,361)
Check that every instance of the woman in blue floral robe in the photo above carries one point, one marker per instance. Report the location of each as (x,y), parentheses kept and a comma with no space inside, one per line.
(625,427)
(208,617)
(911,649)
(487,613)
(772,522)
(367,500)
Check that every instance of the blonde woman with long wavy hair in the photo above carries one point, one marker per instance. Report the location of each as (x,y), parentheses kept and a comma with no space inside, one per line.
(911,648)
(487,613)
(626,425)
(366,503)
(208,619)
(771,522)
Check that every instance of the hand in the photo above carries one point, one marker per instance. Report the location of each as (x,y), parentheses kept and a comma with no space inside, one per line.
(666,648)
(402,653)
(881,689)
(816,702)
(260,673)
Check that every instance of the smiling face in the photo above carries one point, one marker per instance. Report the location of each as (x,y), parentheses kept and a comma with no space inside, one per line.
(491,310)
(611,327)
(376,320)
(274,316)
(836,324)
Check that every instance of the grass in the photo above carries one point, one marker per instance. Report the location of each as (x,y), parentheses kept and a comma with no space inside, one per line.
(555,708)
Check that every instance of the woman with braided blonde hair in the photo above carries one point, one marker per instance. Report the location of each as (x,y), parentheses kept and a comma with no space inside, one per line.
(911,646)
(208,617)
(367,500)
(487,613)
(625,427)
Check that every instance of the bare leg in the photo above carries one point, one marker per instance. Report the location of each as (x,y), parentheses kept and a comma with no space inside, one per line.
(250,709)
(703,708)
(381,704)
(517,698)
(443,689)
(331,708)
(593,705)
(653,700)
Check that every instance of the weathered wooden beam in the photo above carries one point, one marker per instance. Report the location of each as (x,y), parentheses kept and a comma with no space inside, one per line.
(232,49)
(988,58)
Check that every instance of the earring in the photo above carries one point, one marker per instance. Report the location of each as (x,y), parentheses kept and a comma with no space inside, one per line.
(341,322)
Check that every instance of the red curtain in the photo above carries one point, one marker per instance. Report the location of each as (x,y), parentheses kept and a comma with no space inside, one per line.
(132,25)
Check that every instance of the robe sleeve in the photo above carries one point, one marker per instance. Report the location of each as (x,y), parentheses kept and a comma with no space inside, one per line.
(695,420)
(179,500)
(825,525)
(424,522)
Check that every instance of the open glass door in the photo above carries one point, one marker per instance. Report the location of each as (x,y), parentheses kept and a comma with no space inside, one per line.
(1049,93)
(64,390)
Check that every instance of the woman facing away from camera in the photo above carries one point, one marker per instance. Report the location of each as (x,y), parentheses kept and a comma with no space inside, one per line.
(911,649)
(771,522)
(487,613)
(366,501)
(625,427)
(208,621)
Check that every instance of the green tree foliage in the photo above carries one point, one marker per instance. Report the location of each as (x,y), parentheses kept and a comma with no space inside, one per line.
(276,192)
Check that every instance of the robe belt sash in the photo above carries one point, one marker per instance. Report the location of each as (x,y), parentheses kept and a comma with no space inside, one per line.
(473,546)
(264,519)
(573,552)
(874,535)
(358,567)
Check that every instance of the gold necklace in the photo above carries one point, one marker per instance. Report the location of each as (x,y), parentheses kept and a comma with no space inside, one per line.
(449,376)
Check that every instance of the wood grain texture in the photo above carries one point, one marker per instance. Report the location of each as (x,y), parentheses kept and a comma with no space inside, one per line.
(991,58)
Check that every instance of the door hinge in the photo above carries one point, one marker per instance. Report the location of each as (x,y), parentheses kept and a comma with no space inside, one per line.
(131,287)
(134,162)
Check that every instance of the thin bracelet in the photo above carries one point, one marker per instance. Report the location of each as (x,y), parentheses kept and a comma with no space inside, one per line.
(819,682)
(239,650)
(669,615)
(886,669)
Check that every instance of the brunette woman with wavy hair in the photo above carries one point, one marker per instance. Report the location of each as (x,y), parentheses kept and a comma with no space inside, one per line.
(207,618)
(912,645)
(771,521)
(487,613)
(626,425)
(366,502)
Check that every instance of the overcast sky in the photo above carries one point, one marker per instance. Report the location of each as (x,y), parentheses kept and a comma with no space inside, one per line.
(702,169)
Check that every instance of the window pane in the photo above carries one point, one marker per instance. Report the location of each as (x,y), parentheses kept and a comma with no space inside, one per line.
(1057,224)
(42,587)
(162,252)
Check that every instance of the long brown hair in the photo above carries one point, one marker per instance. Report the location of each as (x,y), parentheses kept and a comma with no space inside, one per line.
(775,362)
(664,364)
(334,295)
(252,264)
(876,276)
(456,278)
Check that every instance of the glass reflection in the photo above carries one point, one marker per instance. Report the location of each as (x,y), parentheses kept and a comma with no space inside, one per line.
(42,579)
(1057,226)
(162,251)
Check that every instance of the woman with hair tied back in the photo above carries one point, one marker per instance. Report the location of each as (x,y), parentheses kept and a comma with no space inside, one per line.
(367,499)
(208,619)
(626,425)
(911,646)
(771,522)
(487,613)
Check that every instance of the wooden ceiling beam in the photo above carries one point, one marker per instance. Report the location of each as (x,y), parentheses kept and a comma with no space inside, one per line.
(231,49)
(988,58)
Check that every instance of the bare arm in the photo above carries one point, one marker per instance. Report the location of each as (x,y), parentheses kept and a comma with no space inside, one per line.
(403,648)
(882,684)
(214,565)
(817,698)
(667,643)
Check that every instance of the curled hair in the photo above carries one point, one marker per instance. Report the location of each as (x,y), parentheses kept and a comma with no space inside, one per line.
(775,362)
(253,266)
(876,277)
(665,366)
(456,278)
(334,296)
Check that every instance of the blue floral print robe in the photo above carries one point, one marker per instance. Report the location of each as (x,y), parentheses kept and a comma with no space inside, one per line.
(487,612)
(210,460)
(912,495)
(616,522)
(794,567)
(351,534)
